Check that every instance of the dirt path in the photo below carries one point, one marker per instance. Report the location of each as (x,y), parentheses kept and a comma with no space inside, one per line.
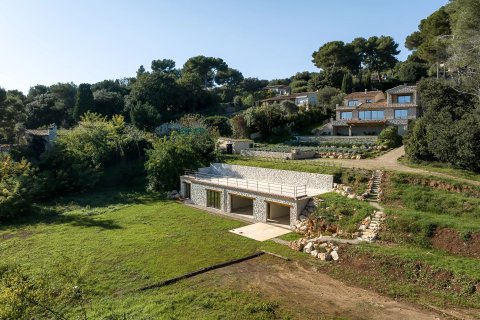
(308,294)
(389,161)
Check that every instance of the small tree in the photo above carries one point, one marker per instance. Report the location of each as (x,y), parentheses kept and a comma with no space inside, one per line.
(390,137)
(171,155)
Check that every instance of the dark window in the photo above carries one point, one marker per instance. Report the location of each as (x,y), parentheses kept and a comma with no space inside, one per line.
(346,116)
(404,99)
(213,199)
(188,190)
(401,114)
(352,103)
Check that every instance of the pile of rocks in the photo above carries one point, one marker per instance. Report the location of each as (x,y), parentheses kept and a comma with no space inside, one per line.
(347,191)
(318,248)
(339,155)
(303,223)
(173,195)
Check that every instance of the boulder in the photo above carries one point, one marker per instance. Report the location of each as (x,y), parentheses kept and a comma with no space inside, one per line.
(322,256)
(334,255)
(308,247)
(314,253)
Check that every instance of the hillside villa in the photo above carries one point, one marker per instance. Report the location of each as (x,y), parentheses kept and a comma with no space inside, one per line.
(369,112)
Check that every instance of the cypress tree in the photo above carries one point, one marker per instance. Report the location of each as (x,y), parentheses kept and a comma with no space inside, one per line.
(347,83)
(84,101)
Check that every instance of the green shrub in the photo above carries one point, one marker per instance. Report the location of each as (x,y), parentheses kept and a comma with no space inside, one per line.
(17,187)
(171,155)
(389,137)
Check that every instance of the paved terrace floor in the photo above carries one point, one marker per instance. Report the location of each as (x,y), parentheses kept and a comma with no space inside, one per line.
(260,186)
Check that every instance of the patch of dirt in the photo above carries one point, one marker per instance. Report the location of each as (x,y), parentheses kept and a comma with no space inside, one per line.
(451,241)
(21,234)
(309,294)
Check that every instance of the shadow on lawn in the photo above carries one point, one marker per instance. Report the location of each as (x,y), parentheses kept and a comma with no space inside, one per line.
(86,204)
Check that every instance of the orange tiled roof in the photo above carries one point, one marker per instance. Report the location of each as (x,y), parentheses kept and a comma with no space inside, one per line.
(379,104)
(359,95)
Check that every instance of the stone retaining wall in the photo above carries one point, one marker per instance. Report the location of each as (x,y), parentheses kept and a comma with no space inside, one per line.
(286,177)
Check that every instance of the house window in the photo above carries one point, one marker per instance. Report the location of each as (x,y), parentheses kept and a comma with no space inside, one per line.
(213,199)
(371,115)
(404,99)
(368,101)
(401,114)
(352,103)
(346,116)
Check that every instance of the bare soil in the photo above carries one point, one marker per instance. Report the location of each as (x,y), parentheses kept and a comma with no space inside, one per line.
(451,241)
(309,294)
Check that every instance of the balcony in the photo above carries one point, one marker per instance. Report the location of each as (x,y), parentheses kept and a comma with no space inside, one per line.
(253,185)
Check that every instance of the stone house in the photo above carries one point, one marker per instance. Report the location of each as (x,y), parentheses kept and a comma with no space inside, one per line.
(234,146)
(300,99)
(369,112)
(41,139)
(260,194)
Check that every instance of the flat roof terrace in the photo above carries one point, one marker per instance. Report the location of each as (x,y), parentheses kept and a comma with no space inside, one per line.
(292,191)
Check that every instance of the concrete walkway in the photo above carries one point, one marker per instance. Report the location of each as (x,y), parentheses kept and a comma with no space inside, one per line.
(260,231)
(389,162)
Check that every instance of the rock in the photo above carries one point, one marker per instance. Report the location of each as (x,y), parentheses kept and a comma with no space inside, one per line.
(308,247)
(322,256)
(334,255)
(351,196)
(303,218)
(314,253)
(303,228)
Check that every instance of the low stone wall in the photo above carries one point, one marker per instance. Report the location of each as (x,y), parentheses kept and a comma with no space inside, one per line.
(286,177)
(294,155)
(266,154)
(338,139)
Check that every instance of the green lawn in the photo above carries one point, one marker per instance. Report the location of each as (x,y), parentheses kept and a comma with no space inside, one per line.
(113,243)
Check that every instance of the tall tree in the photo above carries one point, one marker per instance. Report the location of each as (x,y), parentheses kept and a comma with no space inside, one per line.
(347,83)
(206,68)
(163,65)
(84,101)
(465,46)
(12,116)
(379,54)
(336,54)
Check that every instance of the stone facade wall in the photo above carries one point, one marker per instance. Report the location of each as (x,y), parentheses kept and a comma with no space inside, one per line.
(286,177)
(199,197)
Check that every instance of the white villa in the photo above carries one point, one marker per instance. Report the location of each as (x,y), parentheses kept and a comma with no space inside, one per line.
(264,195)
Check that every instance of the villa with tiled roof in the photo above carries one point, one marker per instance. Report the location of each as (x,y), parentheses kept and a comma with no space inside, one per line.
(369,112)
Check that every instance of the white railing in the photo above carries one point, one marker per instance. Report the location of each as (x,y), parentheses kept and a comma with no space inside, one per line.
(259,186)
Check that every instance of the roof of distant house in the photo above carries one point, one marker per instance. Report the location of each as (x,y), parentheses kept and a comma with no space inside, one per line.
(288,97)
(379,104)
(402,89)
(37,132)
(364,94)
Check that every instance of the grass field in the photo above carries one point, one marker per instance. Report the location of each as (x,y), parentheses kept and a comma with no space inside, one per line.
(111,243)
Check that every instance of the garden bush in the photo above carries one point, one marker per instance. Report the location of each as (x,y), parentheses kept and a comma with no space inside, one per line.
(389,137)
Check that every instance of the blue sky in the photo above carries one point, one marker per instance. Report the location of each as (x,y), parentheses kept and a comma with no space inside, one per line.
(48,41)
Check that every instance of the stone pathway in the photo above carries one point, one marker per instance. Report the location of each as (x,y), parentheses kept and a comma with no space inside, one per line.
(369,230)
(373,193)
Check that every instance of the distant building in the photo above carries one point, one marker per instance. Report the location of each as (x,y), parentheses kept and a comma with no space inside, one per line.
(234,146)
(279,90)
(369,112)
(300,99)
(41,138)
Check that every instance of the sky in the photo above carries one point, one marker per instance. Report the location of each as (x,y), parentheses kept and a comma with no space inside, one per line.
(50,41)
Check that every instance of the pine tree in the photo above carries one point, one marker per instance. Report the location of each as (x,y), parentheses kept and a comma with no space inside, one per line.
(84,101)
